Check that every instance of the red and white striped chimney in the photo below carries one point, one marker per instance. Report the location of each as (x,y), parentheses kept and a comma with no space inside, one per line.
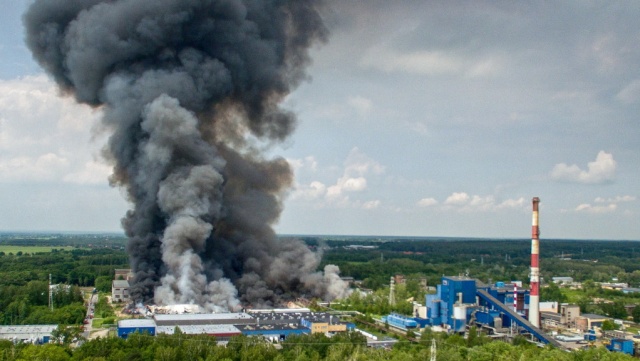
(534,296)
(515,298)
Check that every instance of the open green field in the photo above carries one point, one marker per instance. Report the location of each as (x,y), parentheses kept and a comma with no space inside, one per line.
(32,249)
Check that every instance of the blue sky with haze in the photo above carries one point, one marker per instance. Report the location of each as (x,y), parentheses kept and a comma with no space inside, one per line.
(419,119)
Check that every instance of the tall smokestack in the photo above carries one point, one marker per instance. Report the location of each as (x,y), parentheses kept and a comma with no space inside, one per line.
(534,298)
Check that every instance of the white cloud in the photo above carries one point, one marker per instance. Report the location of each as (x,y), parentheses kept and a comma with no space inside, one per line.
(588,208)
(419,62)
(605,205)
(600,171)
(429,62)
(357,167)
(630,93)
(353,184)
(46,167)
(94,172)
(313,191)
(512,203)
(371,204)
(358,164)
(361,105)
(476,203)
(307,163)
(616,199)
(45,137)
(427,202)
(457,199)
(482,202)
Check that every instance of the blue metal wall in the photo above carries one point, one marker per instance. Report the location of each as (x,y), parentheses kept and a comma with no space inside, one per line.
(620,345)
(451,286)
(440,305)
(400,321)
(123,332)
(280,333)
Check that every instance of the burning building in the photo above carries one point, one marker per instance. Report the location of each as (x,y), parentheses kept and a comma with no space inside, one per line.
(190,92)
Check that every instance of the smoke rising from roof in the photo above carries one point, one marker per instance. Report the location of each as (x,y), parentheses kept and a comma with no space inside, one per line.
(185,85)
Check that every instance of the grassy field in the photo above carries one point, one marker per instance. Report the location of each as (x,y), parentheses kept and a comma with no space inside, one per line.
(32,249)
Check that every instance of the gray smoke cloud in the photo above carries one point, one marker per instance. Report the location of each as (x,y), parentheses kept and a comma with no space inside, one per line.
(185,85)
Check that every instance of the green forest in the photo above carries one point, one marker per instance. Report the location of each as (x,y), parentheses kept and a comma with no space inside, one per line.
(24,295)
(88,264)
(317,347)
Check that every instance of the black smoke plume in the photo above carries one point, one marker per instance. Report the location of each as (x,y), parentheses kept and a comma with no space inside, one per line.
(190,90)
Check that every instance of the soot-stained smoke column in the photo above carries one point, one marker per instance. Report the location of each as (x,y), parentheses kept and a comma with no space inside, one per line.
(188,87)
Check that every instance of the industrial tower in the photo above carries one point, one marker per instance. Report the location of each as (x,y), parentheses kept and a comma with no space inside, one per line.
(534,296)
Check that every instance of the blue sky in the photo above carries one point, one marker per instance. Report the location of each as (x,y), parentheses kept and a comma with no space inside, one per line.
(419,119)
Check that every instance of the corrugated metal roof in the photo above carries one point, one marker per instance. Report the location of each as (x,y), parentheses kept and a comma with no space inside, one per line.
(26,331)
(200,329)
(139,322)
(202,317)
(593,316)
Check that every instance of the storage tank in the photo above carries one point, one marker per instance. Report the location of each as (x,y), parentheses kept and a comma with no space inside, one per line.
(460,312)
(459,318)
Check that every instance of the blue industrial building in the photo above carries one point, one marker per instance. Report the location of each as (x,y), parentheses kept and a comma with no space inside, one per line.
(400,321)
(126,327)
(275,325)
(452,298)
(461,301)
(621,345)
(276,333)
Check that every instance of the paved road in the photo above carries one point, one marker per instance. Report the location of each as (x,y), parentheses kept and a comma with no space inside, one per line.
(92,304)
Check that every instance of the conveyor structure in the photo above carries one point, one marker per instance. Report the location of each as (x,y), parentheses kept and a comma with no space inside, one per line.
(514,317)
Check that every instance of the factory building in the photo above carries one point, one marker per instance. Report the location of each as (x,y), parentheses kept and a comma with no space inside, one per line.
(120,290)
(123,274)
(569,314)
(322,323)
(275,325)
(461,301)
(36,334)
(204,319)
(588,321)
(221,332)
(454,299)
(126,327)
(273,333)
(120,285)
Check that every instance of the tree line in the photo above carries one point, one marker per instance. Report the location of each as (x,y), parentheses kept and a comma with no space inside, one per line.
(316,347)
(24,286)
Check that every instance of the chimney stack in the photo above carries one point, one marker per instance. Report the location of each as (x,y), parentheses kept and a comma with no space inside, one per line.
(534,296)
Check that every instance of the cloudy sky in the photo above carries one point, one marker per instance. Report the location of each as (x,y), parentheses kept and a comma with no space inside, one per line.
(420,119)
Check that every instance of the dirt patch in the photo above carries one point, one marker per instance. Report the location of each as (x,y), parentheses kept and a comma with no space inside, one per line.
(99,333)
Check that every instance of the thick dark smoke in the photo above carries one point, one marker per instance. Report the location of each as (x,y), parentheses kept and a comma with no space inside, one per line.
(187,88)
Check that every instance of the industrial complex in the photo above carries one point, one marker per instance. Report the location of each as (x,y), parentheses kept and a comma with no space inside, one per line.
(506,309)
(274,324)
(501,310)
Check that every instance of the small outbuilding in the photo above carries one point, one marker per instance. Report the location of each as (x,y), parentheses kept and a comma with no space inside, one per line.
(120,291)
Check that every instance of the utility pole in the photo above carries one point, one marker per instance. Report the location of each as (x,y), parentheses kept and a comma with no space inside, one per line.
(433,350)
(50,294)
(392,292)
